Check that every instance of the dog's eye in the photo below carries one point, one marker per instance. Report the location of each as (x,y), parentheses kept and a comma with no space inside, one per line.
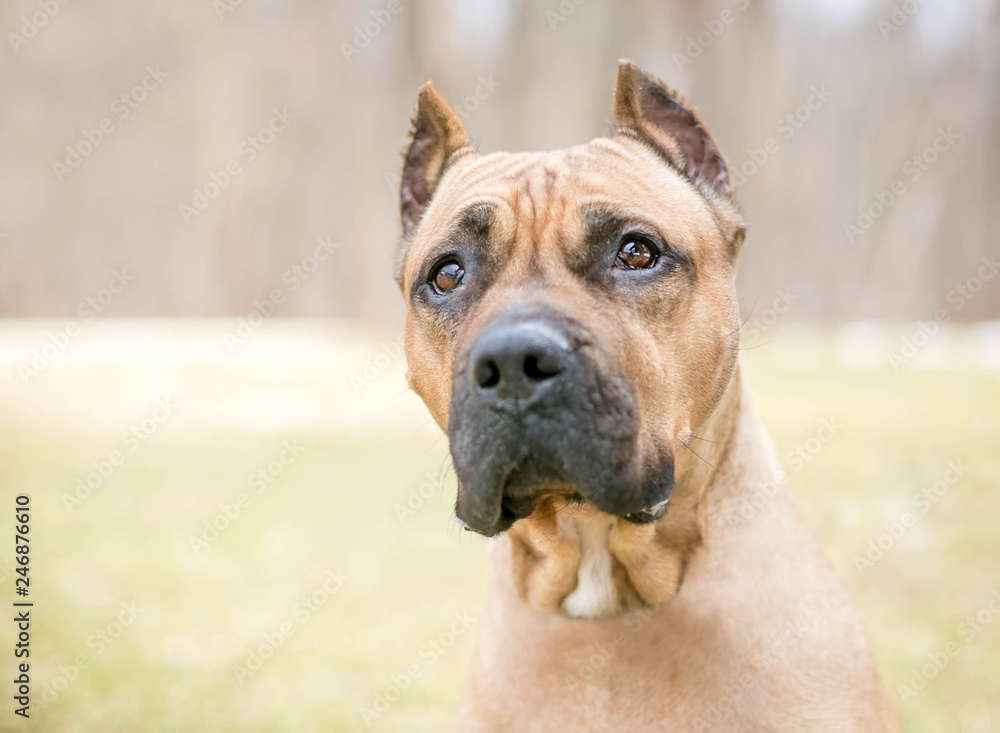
(635,254)
(447,276)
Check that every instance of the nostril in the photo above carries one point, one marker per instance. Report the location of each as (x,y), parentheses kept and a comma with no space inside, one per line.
(510,363)
(539,368)
(487,374)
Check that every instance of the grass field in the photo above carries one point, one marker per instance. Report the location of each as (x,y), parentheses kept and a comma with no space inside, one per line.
(318,591)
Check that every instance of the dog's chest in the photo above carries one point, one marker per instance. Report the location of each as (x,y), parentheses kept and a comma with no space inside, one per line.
(595,594)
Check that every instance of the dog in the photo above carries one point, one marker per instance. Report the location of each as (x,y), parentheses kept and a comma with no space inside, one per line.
(572,324)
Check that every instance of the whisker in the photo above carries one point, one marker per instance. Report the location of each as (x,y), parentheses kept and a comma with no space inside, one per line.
(434,442)
(575,504)
(687,448)
(399,394)
(422,425)
(748,315)
(717,442)
(757,346)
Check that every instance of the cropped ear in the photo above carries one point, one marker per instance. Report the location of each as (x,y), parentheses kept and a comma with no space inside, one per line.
(645,105)
(435,133)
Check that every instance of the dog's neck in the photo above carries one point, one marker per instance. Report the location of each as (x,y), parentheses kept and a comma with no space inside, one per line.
(574,558)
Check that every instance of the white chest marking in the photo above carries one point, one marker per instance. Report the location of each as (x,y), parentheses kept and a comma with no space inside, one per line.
(595,594)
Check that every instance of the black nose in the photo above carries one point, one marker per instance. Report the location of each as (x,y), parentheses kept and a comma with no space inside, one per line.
(510,363)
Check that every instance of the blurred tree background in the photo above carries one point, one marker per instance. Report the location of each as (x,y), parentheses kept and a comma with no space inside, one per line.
(824,106)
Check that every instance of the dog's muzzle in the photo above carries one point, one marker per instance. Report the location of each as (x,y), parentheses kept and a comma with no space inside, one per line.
(534,413)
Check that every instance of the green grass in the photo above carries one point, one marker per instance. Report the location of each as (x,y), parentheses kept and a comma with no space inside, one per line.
(334,508)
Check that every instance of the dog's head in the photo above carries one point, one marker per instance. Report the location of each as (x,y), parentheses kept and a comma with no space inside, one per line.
(571,316)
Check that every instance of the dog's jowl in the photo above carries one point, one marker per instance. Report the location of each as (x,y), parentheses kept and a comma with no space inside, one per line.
(572,324)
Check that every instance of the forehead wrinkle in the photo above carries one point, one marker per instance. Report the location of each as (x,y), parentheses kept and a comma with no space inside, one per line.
(526,203)
(533,218)
(524,222)
(541,213)
(662,179)
(550,243)
(546,189)
(632,165)
(500,169)
(485,176)
(639,175)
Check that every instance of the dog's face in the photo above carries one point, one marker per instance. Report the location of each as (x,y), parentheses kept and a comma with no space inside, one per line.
(571,316)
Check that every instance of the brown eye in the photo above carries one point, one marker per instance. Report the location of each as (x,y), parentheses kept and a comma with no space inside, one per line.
(634,254)
(447,277)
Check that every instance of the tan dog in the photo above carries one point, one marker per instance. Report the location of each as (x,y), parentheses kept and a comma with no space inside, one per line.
(572,323)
